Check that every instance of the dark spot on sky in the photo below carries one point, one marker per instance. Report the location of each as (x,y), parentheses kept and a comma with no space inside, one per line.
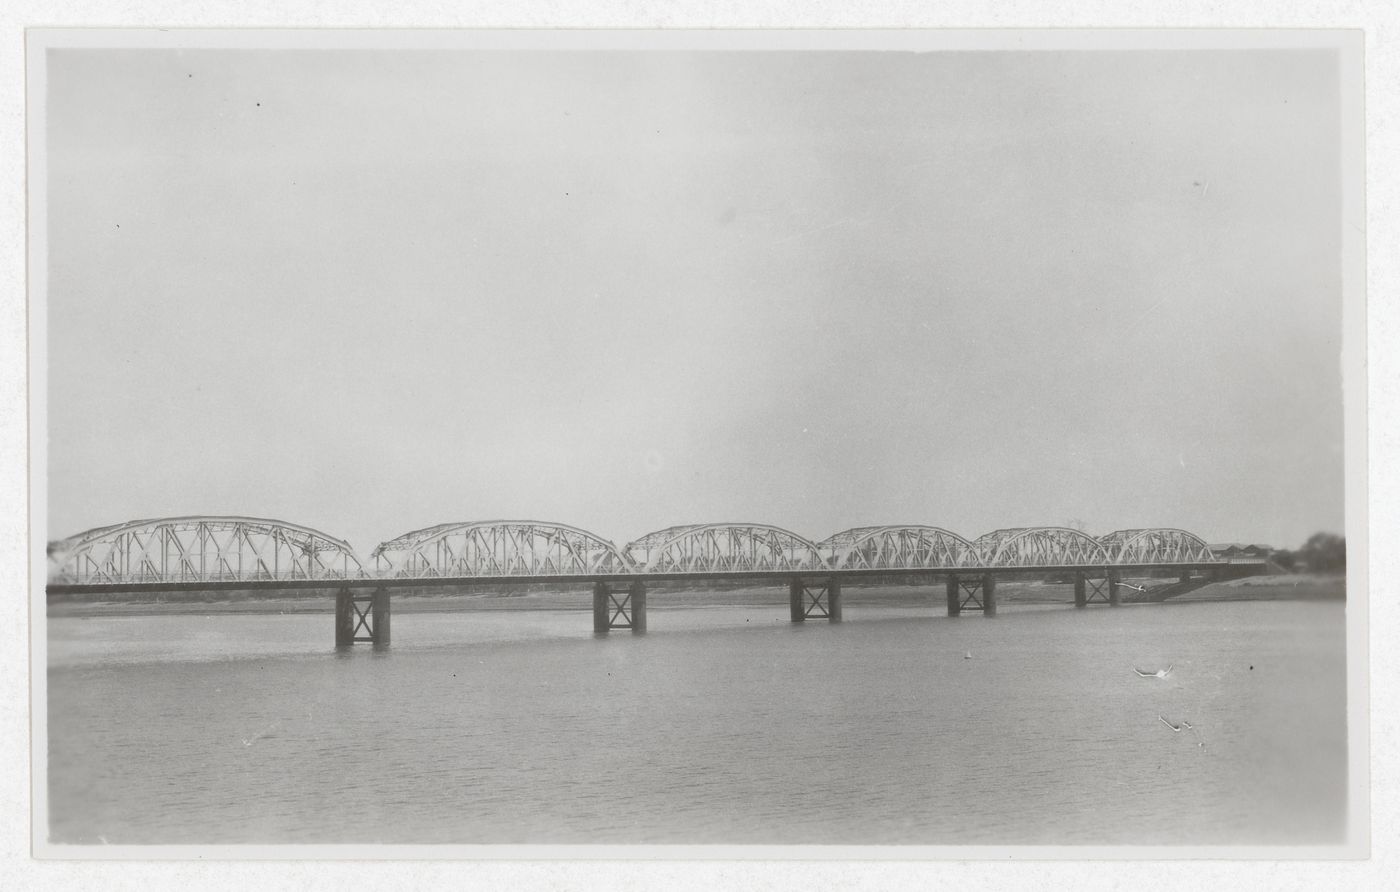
(1251,668)
(259,105)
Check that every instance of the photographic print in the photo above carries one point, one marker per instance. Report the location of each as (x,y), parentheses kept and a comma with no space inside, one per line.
(753,440)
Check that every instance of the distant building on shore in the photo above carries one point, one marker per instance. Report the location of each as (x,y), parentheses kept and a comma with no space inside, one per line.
(1228,551)
(1255,554)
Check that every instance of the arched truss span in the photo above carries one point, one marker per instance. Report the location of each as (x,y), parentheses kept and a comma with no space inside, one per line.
(1155,546)
(724,548)
(498,548)
(897,548)
(1039,547)
(201,549)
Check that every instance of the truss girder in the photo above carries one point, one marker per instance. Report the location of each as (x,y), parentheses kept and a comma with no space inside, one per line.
(227,548)
(1155,546)
(201,549)
(906,547)
(1039,547)
(498,548)
(724,548)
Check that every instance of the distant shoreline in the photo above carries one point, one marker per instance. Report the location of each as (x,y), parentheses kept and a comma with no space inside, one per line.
(1256,588)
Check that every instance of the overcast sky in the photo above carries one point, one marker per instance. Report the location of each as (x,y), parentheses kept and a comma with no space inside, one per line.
(374,291)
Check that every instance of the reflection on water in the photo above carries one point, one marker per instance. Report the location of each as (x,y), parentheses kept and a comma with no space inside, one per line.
(725,725)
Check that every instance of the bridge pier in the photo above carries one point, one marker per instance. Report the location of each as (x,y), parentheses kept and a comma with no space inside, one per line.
(1090,588)
(820,602)
(344,618)
(600,607)
(976,592)
(630,612)
(360,617)
(638,591)
(380,616)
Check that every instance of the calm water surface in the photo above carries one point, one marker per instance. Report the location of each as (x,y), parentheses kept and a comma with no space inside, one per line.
(722,725)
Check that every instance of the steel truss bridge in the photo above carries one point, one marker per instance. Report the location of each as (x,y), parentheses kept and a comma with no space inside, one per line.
(240,553)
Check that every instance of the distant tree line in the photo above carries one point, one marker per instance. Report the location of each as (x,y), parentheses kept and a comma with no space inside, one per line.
(1322,553)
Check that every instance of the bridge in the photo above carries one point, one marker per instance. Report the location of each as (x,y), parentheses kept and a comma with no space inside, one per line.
(208,553)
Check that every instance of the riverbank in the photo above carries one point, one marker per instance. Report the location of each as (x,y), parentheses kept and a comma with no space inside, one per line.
(1254,588)
(1293,587)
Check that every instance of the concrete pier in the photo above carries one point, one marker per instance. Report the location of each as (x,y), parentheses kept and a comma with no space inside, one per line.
(344,618)
(1081,594)
(989,595)
(379,617)
(637,592)
(601,608)
(1113,599)
(796,601)
(833,600)
(954,596)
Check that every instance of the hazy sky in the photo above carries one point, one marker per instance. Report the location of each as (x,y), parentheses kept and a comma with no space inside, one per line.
(373,291)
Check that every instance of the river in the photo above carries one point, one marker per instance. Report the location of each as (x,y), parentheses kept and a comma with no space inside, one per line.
(721,725)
